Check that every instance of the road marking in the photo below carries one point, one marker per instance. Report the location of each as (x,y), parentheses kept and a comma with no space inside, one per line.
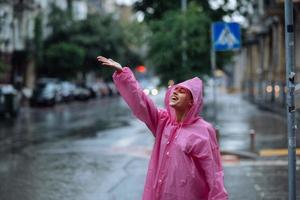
(260,163)
(276,152)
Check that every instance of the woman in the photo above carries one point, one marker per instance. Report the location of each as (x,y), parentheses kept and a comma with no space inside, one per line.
(185,162)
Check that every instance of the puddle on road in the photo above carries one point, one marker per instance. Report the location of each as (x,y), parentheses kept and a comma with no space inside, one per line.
(91,131)
(78,132)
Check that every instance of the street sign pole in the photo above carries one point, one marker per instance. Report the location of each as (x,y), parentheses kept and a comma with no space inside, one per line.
(290,98)
(213,69)
(183,52)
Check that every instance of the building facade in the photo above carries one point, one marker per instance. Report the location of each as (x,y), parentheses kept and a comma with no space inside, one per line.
(262,58)
(17,32)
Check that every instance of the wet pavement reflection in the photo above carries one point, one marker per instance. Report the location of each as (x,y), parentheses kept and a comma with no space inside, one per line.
(38,125)
(52,153)
(236,118)
(97,150)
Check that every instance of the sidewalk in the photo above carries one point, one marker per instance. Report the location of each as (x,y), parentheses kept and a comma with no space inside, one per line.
(261,179)
(237,118)
(259,173)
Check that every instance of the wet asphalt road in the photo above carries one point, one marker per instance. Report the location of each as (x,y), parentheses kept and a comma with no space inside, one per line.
(98,151)
(77,119)
(82,150)
(55,153)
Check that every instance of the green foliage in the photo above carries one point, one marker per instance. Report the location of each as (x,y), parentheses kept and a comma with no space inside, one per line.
(59,20)
(3,69)
(96,35)
(180,42)
(64,59)
(135,34)
(38,40)
(166,44)
(102,35)
(3,66)
(154,10)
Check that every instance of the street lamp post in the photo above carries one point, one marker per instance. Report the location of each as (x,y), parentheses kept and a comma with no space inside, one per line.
(183,53)
(214,93)
(290,98)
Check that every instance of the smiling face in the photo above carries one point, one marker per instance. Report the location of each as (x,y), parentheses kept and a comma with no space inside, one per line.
(181,99)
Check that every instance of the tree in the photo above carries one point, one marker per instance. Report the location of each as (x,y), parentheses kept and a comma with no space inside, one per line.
(135,36)
(102,35)
(59,20)
(96,35)
(174,32)
(38,40)
(3,70)
(64,59)
(166,46)
(155,10)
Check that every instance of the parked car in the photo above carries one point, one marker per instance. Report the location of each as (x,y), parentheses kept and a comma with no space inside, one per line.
(10,100)
(93,90)
(112,89)
(47,92)
(99,89)
(67,91)
(82,92)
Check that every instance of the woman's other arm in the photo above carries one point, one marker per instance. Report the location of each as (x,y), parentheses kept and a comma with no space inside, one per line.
(205,158)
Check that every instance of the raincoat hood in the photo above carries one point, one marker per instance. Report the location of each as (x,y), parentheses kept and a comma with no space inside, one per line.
(195,86)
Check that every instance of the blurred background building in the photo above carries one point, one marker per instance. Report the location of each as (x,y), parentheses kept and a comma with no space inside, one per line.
(260,65)
(17,31)
(17,25)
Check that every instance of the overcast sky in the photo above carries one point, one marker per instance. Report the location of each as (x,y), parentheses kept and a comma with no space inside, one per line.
(127,2)
(214,3)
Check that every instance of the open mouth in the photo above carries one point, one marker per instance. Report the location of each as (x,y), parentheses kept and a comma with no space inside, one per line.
(174,98)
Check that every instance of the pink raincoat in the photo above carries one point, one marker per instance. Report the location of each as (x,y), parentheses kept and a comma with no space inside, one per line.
(185,162)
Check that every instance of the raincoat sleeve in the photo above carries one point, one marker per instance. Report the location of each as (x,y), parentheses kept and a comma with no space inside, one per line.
(208,158)
(140,104)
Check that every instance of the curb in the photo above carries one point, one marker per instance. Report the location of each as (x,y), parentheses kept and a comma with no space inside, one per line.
(240,154)
(276,152)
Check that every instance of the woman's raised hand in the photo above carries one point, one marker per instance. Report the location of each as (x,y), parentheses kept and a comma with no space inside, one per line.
(110,63)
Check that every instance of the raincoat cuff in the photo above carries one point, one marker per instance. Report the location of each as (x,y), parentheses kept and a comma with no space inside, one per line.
(117,73)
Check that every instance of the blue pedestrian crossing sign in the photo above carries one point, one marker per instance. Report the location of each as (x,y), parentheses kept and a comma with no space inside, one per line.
(226,36)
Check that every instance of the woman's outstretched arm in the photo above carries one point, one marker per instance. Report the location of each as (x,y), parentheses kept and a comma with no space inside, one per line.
(109,63)
(140,104)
